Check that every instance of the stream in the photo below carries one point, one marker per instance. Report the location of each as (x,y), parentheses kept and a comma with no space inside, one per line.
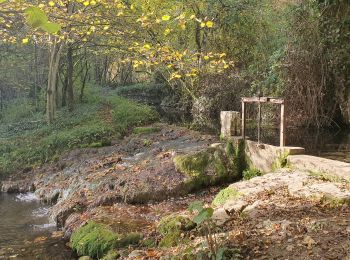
(26,231)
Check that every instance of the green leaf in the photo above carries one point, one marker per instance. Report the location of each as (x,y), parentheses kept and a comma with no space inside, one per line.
(35,17)
(197,205)
(220,253)
(203,215)
(51,27)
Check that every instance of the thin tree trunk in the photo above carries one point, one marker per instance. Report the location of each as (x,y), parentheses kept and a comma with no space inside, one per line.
(51,95)
(70,67)
(87,68)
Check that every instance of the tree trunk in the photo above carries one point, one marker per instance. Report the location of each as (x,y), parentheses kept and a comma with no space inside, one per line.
(84,78)
(70,67)
(51,95)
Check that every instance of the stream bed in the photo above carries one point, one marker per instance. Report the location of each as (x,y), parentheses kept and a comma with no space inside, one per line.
(26,230)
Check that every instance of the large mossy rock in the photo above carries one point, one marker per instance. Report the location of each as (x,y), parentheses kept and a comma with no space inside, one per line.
(171,228)
(215,165)
(98,240)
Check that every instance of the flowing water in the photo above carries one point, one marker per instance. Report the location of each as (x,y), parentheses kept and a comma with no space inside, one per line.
(26,231)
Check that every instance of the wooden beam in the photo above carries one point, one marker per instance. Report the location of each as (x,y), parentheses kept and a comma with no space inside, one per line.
(276,100)
(254,99)
(263,100)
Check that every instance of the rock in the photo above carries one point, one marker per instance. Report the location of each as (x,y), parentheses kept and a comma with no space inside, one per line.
(252,210)
(137,254)
(220,216)
(290,248)
(309,242)
(85,258)
(236,206)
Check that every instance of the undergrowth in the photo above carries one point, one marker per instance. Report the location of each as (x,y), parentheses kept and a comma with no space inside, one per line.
(92,124)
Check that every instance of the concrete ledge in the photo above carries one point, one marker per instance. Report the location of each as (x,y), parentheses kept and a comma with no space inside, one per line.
(323,165)
(293,150)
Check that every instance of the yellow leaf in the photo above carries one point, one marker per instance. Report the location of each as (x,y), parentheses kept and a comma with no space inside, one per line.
(25,40)
(147,47)
(167,31)
(93,2)
(210,24)
(202,24)
(51,3)
(226,66)
(106,27)
(166,17)
(206,57)
(192,16)
(86,3)
(132,7)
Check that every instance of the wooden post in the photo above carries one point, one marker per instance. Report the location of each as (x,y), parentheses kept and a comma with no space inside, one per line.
(243,119)
(282,128)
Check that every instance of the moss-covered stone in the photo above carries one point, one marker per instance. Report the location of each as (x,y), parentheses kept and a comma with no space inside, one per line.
(94,240)
(212,166)
(111,255)
(132,238)
(171,228)
(224,195)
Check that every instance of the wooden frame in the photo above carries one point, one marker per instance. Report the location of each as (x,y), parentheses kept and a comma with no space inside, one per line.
(261,100)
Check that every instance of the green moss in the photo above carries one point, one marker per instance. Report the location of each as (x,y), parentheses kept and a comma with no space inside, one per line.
(192,165)
(129,239)
(324,176)
(212,166)
(149,242)
(171,228)
(281,162)
(145,130)
(251,173)
(147,142)
(94,240)
(224,195)
(334,202)
(111,255)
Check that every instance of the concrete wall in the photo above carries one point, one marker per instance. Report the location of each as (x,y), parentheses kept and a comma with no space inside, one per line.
(265,157)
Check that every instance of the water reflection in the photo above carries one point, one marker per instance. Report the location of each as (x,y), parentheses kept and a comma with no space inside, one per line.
(328,143)
(26,231)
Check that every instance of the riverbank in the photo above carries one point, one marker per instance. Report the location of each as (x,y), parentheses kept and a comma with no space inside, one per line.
(133,185)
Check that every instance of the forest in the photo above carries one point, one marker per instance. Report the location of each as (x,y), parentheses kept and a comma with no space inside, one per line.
(110,123)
